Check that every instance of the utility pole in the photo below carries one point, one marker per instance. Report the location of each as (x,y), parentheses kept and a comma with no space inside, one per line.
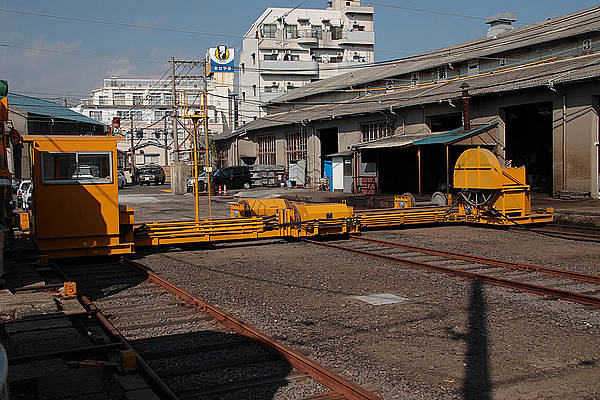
(132,150)
(174,113)
(205,105)
(166,144)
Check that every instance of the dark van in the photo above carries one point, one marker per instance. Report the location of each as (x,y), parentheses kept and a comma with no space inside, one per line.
(232,177)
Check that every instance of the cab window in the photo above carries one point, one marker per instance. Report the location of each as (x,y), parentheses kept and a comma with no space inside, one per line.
(76,168)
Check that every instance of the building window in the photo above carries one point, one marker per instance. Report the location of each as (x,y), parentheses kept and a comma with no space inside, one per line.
(291,31)
(253,55)
(290,86)
(442,74)
(414,79)
(254,90)
(295,146)
(119,99)
(138,98)
(269,30)
(336,32)
(374,130)
(336,59)
(272,89)
(155,99)
(242,67)
(317,31)
(136,115)
(150,159)
(159,114)
(243,96)
(97,115)
(123,114)
(168,99)
(473,68)
(76,168)
(266,150)
(271,57)
(103,101)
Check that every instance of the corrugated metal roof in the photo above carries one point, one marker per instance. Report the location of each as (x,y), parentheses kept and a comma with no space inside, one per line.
(47,108)
(389,142)
(557,28)
(546,74)
(340,154)
(455,136)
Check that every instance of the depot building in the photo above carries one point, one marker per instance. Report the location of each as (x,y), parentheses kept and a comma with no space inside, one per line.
(530,95)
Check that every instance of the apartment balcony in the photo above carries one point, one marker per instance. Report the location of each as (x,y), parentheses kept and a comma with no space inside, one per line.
(307,36)
(279,67)
(358,37)
(358,10)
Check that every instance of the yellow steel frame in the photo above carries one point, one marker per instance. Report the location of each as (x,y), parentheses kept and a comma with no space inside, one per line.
(198,119)
(109,227)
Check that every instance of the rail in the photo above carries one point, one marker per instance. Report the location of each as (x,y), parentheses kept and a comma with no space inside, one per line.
(333,382)
(486,278)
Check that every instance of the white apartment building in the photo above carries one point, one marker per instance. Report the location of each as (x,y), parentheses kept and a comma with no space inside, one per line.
(144,107)
(286,48)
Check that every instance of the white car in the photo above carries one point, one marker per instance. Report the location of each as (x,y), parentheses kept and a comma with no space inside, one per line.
(23,187)
(27,198)
(121,181)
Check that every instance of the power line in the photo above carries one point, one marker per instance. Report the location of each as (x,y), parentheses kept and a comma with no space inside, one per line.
(445,13)
(114,23)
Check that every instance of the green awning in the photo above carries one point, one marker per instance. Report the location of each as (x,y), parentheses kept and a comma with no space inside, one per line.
(47,108)
(455,136)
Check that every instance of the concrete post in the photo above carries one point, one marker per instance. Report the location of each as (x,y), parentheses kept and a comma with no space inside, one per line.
(178,178)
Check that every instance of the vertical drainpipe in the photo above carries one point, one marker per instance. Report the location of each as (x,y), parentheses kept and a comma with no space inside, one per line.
(564,142)
(237,151)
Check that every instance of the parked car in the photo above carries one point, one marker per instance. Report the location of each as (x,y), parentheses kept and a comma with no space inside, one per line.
(23,187)
(201,182)
(231,177)
(121,181)
(151,174)
(86,172)
(28,198)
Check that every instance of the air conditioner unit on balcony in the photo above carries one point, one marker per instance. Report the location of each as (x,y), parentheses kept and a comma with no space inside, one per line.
(275,51)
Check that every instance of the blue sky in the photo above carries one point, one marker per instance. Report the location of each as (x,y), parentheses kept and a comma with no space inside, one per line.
(144,53)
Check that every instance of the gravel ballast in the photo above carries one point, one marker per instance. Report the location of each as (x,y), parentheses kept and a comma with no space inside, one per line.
(451,339)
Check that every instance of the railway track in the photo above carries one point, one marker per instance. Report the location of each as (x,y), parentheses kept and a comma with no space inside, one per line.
(190,349)
(568,231)
(556,283)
